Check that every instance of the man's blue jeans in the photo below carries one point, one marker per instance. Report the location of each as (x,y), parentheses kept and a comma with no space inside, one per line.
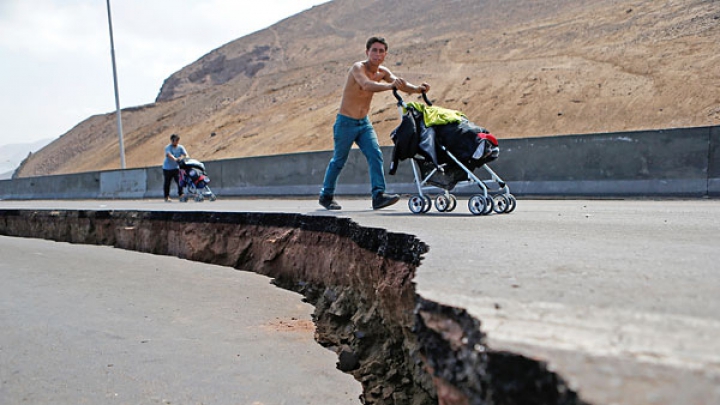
(347,131)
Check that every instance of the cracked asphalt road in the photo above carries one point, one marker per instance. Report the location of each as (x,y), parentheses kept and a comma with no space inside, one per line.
(621,297)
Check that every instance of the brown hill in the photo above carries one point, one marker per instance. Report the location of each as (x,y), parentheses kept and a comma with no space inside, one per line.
(521,68)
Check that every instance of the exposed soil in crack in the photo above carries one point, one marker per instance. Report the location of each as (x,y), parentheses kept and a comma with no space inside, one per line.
(402,348)
(466,372)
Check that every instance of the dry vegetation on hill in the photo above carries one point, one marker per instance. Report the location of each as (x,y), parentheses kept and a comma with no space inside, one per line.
(521,68)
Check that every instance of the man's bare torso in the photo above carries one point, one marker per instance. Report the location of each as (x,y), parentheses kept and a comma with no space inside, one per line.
(356,101)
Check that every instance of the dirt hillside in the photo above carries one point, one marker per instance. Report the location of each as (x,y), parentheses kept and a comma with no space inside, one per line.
(521,68)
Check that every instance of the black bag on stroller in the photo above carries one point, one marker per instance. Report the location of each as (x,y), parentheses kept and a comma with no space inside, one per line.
(446,147)
(469,143)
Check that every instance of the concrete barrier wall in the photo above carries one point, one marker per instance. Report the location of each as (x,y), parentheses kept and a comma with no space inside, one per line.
(714,163)
(71,186)
(130,183)
(666,162)
(673,162)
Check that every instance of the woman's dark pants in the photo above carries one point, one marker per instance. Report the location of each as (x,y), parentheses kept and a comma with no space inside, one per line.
(169,176)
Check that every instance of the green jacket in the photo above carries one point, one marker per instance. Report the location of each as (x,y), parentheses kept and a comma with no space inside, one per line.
(437,115)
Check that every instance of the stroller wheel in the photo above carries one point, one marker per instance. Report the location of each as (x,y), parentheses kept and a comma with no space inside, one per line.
(501,203)
(416,204)
(442,203)
(213,197)
(183,198)
(490,205)
(512,204)
(428,203)
(453,203)
(199,198)
(477,204)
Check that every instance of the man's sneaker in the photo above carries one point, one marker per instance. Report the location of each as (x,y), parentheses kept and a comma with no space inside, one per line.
(384,200)
(329,202)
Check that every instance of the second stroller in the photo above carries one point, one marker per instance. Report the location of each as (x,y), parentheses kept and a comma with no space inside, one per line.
(194,181)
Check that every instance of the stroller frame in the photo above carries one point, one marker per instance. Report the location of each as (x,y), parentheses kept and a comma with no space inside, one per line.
(502,202)
(189,187)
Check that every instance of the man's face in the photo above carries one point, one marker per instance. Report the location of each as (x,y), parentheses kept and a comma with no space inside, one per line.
(376,53)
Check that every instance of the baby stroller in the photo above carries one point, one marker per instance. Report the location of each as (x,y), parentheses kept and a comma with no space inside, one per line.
(443,154)
(194,181)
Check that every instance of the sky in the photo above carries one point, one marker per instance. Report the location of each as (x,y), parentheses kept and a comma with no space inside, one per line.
(56,65)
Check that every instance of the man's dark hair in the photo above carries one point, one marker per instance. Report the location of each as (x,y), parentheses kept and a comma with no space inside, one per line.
(373,40)
(174,137)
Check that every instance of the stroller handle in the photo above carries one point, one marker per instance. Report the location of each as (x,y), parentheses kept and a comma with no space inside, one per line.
(401,103)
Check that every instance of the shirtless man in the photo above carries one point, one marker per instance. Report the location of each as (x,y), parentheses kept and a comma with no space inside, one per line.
(353,125)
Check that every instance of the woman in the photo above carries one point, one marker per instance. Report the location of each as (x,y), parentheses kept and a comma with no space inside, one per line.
(174,152)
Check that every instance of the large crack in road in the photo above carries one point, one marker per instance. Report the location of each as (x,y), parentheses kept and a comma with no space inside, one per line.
(402,348)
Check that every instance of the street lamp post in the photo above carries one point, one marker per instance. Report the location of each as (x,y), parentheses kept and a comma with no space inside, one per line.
(117,95)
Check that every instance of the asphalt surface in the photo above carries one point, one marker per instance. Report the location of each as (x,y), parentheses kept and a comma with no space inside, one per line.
(621,297)
(98,325)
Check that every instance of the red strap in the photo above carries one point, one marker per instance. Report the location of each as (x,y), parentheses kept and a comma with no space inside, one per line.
(489,137)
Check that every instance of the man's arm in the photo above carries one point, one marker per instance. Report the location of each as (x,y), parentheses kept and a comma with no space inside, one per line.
(386,80)
(366,83)
(403,85)
(408,87)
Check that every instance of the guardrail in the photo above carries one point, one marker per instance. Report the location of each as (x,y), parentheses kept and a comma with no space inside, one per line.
(679,162)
